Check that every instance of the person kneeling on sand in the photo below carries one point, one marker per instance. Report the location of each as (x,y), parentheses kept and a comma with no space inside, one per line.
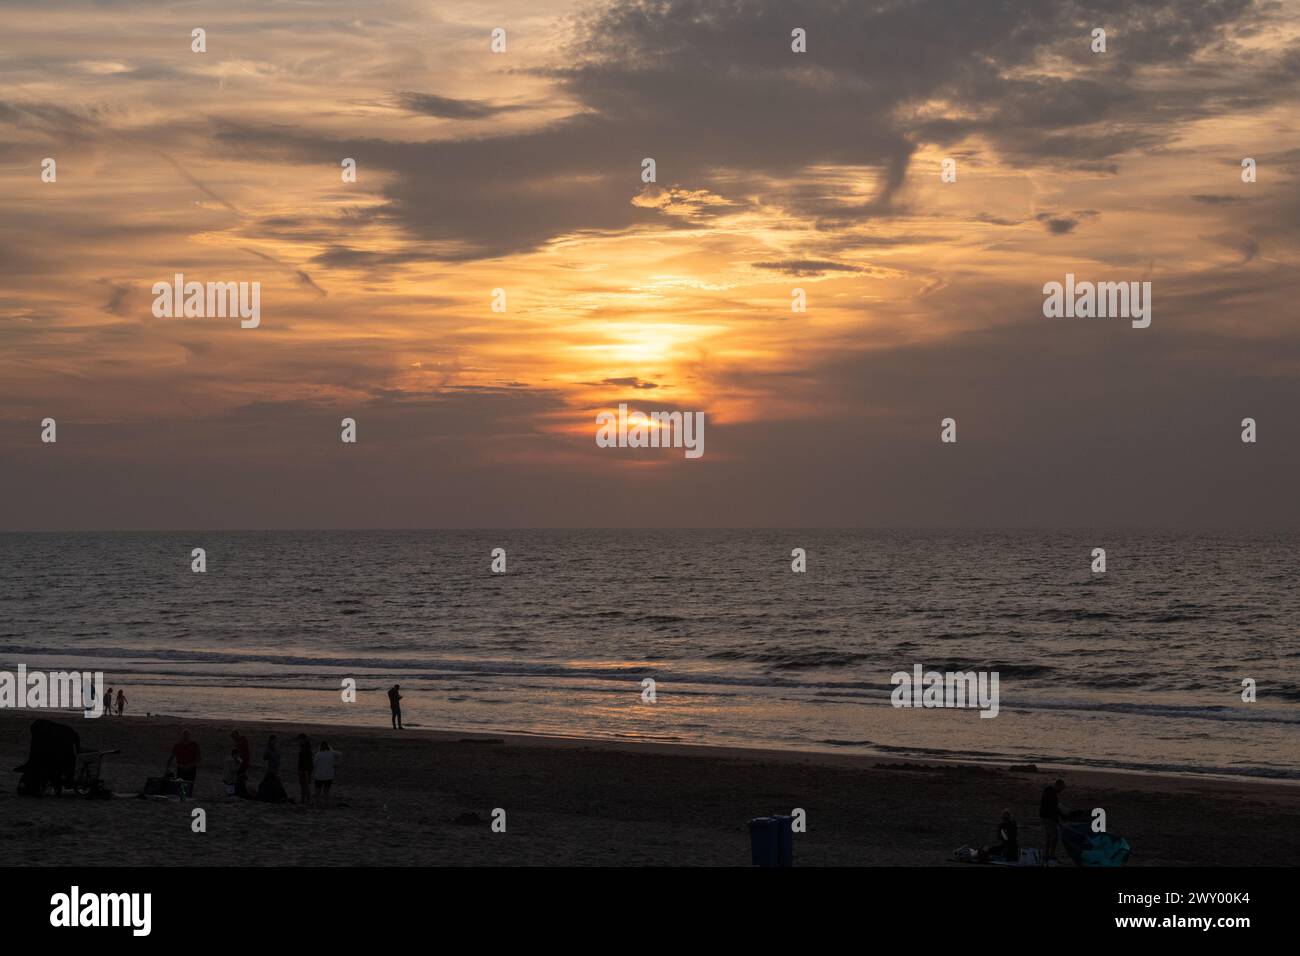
(324,771)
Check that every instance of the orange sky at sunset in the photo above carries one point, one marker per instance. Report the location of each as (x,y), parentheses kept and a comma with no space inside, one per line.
(522,171)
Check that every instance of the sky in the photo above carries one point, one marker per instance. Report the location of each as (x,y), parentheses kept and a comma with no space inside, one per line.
(775,170)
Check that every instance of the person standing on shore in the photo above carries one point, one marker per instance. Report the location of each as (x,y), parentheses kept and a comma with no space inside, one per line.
(324,771)
(271,755)
(394,702)
(121,701)
(1049,814)
(108,702)
(305,765)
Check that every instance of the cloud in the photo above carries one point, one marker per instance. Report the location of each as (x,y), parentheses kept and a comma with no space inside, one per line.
(1058,224)
(629,382)
(300,274)
(806,267)
(524,171)
(714,94)
(444,107)
(201,187)
(116,304)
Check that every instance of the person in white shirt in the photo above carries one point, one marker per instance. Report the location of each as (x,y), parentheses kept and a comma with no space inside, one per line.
(323,771)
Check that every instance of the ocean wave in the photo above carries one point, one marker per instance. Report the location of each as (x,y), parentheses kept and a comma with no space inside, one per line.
(1067,616)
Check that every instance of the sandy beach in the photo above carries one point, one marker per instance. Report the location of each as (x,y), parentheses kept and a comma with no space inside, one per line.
(576,802)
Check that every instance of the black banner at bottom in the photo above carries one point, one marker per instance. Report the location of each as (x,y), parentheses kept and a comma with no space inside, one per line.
(316,905)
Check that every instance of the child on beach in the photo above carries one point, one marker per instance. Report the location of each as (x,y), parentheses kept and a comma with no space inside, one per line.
(121,702)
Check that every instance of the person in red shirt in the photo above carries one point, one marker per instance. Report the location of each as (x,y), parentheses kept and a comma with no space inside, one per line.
(186,756)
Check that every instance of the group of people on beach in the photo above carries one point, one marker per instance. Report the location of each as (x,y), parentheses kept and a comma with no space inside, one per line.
(1050,815)
(314,768)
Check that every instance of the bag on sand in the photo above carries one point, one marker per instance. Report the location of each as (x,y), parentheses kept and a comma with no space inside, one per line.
(271,790)
(1093,849)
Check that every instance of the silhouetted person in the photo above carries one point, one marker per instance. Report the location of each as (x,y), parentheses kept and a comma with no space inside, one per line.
(186,755)
(1008,845)
(271,755)
(237,772)
(108,702)
(395,702)
(324,771)
(271,789)
(305,764)
(241,745)
(1049,812)
(121,701)
(234,772)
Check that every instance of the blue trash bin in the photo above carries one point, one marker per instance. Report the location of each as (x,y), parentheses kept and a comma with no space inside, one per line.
(785,839)
(771,840)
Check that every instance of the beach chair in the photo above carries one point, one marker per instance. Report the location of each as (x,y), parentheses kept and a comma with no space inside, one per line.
(89,782)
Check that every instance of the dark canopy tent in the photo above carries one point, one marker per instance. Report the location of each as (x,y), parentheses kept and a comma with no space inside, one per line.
(52,760)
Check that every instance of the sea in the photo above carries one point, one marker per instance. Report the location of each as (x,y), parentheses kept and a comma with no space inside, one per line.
(1141,667)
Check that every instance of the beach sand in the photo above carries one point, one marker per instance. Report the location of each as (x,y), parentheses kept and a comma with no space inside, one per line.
(582,802)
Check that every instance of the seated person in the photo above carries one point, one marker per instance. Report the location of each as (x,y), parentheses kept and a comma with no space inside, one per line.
(1008,845)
